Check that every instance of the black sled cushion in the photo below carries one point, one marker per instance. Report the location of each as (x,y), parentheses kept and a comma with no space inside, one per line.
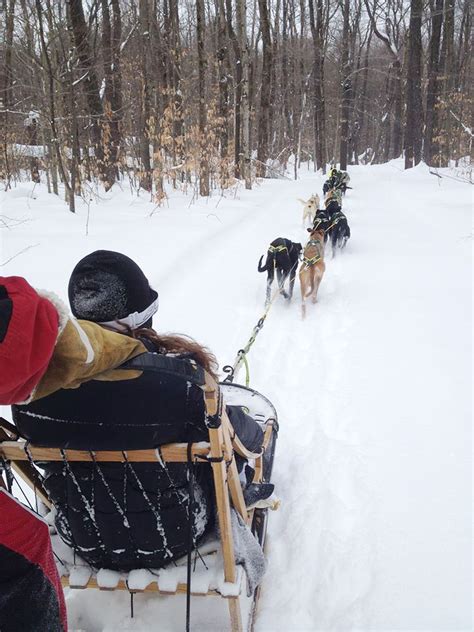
(154,409)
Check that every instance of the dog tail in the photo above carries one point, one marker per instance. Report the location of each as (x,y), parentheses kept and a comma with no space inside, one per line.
(260,267)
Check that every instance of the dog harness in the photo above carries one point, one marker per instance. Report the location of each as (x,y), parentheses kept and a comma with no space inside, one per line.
(319,220)
(311,261)
(275,249)
(336,219)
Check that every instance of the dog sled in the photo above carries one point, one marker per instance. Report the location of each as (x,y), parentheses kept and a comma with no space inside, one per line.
(211,568)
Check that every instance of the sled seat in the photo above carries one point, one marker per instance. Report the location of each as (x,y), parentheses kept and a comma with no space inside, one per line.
(218,451)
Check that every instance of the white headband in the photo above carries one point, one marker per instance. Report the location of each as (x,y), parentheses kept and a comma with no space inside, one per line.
(132,321)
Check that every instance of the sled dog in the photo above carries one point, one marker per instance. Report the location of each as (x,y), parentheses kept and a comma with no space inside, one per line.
(312,267)
(338,231)
(310,208)
(282,257)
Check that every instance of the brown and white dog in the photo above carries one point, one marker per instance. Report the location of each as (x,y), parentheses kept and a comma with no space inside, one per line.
(312,268)
(310,208)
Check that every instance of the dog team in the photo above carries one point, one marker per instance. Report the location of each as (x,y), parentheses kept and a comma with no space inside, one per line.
(328,224)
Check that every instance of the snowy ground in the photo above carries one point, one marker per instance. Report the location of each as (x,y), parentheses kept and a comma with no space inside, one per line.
(373,388)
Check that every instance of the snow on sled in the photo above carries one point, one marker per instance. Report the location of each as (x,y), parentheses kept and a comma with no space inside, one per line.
(100,473)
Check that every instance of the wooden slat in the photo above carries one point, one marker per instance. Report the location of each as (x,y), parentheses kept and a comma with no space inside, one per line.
(223,504)
(218,449)
(235,615)
(235,487)
(211,395)
(151,588)
(33,480)
(236,494)
(266,442)
(171,453)
(268,433)
(27,472)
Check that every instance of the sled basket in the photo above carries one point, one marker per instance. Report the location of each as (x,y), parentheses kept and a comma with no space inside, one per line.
(21,457)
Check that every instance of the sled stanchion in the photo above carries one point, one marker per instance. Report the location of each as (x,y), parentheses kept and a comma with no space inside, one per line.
(219,439)
(235,487)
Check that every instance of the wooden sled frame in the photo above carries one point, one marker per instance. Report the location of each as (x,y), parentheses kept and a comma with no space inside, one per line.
(219,453)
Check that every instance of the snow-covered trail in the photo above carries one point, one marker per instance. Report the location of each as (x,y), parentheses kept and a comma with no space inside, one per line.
(372,389)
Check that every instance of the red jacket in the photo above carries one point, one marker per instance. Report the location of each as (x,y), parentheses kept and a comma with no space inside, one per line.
(31,595)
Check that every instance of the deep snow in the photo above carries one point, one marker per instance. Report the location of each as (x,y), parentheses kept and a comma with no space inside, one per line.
(373,388)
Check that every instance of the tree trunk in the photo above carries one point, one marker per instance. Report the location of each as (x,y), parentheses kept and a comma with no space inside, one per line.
(414,108)
(245,165)
(398,109)
(202,63)
(319,120)
(238,89)
(264,114)
(447,79)
(223,69)
(430,145)
(52,109)
(111,37)
(178,122)
(146,181)
(90,85)
(5,91)
(362,103)
(346,89)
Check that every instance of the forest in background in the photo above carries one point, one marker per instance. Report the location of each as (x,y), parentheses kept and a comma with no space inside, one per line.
(200,94)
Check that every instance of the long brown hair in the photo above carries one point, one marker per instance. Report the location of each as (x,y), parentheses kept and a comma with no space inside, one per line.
(181,345)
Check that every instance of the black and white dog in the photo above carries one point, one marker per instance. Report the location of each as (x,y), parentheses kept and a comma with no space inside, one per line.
(322,220)
(338,230)
(282,256)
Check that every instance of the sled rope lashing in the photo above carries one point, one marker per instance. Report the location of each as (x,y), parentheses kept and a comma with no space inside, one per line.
(218,452)
(241,357)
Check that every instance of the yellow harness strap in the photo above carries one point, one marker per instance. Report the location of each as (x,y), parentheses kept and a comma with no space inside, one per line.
(312,261)
(277,248)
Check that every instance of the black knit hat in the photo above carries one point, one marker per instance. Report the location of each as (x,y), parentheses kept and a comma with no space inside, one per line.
(108,286)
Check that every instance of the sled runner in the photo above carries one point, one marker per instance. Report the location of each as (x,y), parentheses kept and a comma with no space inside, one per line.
(214,447)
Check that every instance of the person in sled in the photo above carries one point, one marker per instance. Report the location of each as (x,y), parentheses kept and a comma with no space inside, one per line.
(110,289)
(114,409)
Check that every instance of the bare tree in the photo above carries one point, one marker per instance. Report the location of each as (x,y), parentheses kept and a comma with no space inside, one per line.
(5,87)
(414,108)
(436,14)
(319,109)
(245,167)
(204,160)
(393,40)
(90,84)
(346,88)
(264,115)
